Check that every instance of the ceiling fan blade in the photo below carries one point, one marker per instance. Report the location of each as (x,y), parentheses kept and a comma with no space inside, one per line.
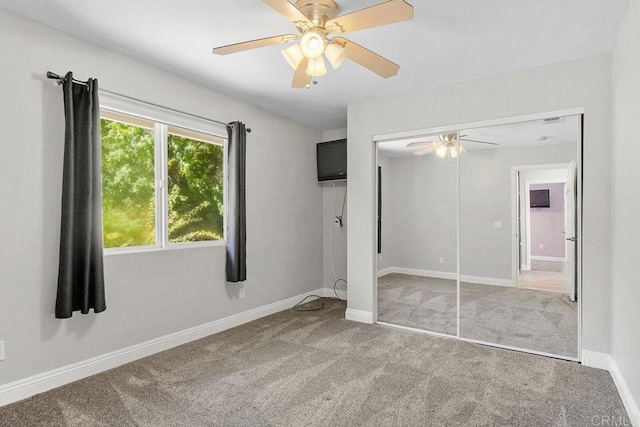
(254,44)
(389,12)
(425,150)
(301,78)
(289,11)
(479,142)
(463,150)
(419,144)
(374,62)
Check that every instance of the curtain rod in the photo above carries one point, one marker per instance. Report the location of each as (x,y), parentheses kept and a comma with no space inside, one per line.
(57,77)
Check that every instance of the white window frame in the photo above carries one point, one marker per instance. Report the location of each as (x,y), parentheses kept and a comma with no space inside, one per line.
(163,118)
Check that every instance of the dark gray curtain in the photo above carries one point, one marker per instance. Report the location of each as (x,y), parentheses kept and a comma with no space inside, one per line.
(80,272)
(236,210)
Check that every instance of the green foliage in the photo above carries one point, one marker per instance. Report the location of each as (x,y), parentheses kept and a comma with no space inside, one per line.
(195,190)
(195,187)
(128,191)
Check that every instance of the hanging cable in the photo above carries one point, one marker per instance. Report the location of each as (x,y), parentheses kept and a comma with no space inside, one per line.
(336,219)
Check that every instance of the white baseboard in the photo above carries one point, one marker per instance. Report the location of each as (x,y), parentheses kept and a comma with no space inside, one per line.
(39,383)
(605,361)
(446,275)
(593,359)
(385,271)
(359,316)
(487,281)
(625,394)
(547,258)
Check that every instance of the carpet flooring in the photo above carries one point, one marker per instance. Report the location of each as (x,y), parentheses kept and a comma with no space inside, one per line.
(529,319)
(318,369)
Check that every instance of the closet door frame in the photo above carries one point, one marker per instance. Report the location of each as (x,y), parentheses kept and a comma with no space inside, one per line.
(376,139)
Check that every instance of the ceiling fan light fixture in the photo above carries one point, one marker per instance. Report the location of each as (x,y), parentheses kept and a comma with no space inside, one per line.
(336,54)
(316,67)
(312,44)
(441,151)
(293,55)
(454,151)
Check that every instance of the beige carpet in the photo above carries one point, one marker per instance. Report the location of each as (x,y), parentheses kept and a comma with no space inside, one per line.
(534,320)
(318,369)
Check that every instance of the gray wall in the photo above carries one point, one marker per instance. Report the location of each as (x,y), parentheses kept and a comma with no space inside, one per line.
(485,197)
(583,83)
(420,213)
(148,294)
(337,241)
(421,209)
(626,230)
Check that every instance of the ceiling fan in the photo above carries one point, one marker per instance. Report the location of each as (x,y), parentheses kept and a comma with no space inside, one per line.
(316,20)
(445,146)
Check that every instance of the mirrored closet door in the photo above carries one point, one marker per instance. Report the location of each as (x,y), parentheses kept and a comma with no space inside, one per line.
(417,266)
(517,235)
(504,200)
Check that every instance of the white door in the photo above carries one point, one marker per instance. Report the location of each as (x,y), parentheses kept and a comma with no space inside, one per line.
(570,232)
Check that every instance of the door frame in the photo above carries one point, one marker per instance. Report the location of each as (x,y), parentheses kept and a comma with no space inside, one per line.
(522,198)
(405,135)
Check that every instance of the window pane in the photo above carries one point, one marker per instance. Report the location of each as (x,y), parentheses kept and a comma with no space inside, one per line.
(128,194)
(195,168)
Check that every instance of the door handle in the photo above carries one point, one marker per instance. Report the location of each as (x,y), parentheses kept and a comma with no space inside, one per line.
(571,239)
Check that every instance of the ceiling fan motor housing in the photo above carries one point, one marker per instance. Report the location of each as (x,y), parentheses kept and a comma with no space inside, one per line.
(318,12)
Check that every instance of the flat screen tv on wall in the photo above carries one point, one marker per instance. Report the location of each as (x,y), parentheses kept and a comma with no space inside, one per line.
(539,198)
(332,160)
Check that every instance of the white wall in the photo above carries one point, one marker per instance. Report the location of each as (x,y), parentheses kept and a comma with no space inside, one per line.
(626,180)
(583,83)
(149,294)
(334,240)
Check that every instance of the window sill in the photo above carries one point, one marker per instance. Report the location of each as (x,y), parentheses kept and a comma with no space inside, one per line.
(171,247)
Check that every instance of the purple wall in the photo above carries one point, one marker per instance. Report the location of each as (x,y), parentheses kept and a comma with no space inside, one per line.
(547,224)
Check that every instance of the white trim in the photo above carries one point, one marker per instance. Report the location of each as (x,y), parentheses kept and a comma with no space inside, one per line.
(593,359)
(484,123)
(604,361)
(524,350)
(625,394)
(421,331)
(447,275)
(359,316)
(508,283)
(39,383)
(547,258)
(124,105)
(385,271)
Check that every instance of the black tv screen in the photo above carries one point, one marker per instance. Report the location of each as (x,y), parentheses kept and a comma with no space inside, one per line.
(332,160)
(539,198)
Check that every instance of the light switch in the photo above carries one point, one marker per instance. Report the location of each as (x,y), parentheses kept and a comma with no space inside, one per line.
(497,224)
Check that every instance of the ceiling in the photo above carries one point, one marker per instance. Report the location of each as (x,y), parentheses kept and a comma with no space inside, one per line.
(534,133)
(447,42)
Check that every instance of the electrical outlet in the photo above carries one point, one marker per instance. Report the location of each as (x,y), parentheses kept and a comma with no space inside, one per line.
(441,260)
(1,350)
(241,292)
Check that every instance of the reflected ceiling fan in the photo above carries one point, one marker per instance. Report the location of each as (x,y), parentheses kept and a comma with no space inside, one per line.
(446,146)
(316,20)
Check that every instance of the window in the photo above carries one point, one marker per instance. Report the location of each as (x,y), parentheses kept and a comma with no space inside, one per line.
(162,184)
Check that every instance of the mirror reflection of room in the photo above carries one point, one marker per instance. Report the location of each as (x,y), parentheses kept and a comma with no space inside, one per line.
(517,204)
(417,265)
(503,199)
